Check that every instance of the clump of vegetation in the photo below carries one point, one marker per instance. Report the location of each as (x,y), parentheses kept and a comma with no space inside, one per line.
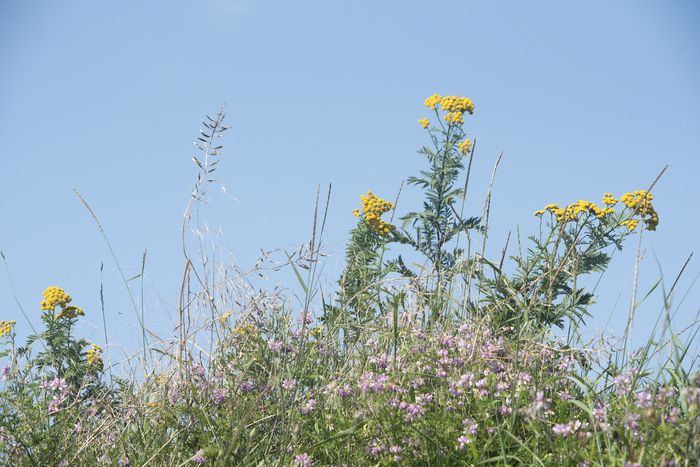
(449,358)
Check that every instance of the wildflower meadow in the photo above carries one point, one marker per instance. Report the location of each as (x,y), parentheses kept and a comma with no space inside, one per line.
(424,351)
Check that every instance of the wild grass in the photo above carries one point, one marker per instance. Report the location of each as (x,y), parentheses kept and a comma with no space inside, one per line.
(438,356)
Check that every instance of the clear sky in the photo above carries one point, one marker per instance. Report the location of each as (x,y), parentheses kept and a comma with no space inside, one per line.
(106,98)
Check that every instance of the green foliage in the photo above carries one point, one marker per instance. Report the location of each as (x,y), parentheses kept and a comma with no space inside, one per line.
(546,288)
(359,283)
(435,226)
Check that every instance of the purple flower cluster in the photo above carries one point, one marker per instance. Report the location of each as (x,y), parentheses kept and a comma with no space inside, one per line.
(199,457)
(622,385)
(59,391)
(308,407)
(411,411)
(372,382)
(219,395)
(289,383)
(303,460)
(246,386)
(278,346)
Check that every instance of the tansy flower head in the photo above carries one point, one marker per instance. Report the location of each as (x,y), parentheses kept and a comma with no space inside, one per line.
(457,104)
(224,318)
(372,209)
(424,122)
(465,146)
(6,327)
(53,297)
(571,212)
(243,330)
(70,312)
(640,202)
(630,223)
(94,355)
(433,101)
(454,117)
(609,200)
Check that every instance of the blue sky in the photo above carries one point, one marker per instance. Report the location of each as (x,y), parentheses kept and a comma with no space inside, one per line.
(106,98)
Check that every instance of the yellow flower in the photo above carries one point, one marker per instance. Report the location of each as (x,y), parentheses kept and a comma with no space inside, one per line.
(93,355)
(640,202)
(630,223)
(457,104)
(6,327)
(223,318)
(454,117)
(424,122)
(243,330)
(70,312)
(606,212)
(571,212)
(465,146)
(609,200)
(53,297)
(373,207)
(432,101)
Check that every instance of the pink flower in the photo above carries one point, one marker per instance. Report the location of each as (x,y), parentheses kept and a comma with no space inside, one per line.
(303,460)
(463,441)
(644,399)
(219,395)
(309,407)
(54,405)
(247,386)
(289,383)
(199,457)
(562,429)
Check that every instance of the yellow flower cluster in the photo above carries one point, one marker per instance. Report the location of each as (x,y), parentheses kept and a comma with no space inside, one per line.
(70,312)
(630,223)
(243,330)
(424,122)
(571,212)
(159,379)
(94,356)
(457,104)
(454,117)
(640,202)
(372,208)
(223,319)
(465,146)
(53,297)
(6,327)
(609,200)
(432,101)
(455,107)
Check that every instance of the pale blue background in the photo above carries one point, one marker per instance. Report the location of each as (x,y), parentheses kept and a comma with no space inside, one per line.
(106,97)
